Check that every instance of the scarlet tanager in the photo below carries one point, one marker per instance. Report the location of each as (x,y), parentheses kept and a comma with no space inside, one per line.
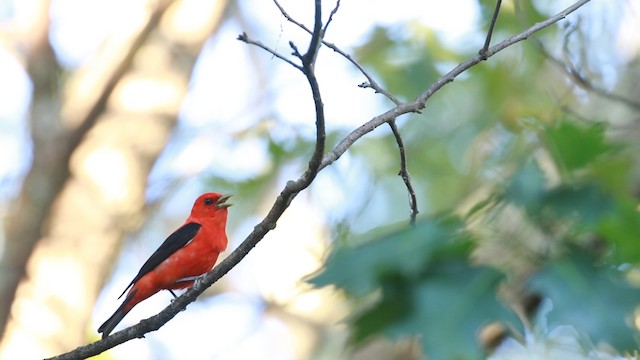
(189,252)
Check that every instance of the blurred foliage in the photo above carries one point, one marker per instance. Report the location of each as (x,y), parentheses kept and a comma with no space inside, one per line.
(426,287)
(518,194)
(595,299)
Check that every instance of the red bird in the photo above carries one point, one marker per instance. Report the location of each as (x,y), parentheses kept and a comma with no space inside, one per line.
(189,252)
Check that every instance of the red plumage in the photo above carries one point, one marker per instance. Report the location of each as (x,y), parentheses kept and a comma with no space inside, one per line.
(190,251)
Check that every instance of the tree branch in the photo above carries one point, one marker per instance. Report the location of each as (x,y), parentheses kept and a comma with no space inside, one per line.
(582,81)
(290,191)
(371,83)
(308,64)
(420,102)
(310,57)
(333,12)
(245,38)
(487,41)
(404,173)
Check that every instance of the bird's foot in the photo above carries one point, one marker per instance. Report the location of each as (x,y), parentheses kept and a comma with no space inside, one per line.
(198,281)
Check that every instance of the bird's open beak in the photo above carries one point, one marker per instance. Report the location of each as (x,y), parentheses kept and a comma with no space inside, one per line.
(221,204)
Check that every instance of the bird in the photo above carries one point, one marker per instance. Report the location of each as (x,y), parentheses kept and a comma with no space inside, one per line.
(189,252)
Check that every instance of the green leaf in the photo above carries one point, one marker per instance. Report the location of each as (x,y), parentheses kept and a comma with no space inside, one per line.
(622,229)
(588,202)
(585,203)
(527,187)
(408,252)
(596,300)
(446,308)
(613,173)
(392,306)
(574,146)
(424,286)
(449,307)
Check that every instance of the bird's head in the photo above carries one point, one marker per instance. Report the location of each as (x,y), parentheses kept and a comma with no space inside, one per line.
(210,205)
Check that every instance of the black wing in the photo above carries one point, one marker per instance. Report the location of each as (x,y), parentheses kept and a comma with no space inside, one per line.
(173,243)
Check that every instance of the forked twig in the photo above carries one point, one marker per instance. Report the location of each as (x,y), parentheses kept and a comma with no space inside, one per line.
(245,38)
(371,83)
(494,19)
(582,81)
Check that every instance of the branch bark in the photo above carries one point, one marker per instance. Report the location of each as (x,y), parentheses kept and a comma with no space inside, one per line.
(492,25)
(404,173)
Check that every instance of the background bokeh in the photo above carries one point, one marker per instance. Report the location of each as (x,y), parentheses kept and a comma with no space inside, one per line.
(115,115)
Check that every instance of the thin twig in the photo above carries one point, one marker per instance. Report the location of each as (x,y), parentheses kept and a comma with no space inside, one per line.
(494,19)
(371,83)
(333,12)
(582,81)
(245,38)
(290,19)
(291,189)
(404,173)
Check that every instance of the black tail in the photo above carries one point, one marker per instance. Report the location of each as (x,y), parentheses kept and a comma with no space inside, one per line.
(107,327)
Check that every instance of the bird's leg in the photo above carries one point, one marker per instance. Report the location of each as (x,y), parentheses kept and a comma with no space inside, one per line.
(174,295)
(195,279)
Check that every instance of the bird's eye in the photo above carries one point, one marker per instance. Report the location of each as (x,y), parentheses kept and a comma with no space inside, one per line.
(208,201)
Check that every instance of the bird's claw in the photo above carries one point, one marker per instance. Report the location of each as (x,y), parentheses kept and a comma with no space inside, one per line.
(198,281)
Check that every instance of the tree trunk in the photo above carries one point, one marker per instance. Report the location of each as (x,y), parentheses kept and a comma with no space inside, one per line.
(94,144)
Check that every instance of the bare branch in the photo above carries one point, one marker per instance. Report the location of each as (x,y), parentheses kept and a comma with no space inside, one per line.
(245,38)
(290,19)
(582,81)
(404,173)
(371,83)
(316,37)
(487,41)
(292,189)
(420,102)
(308,64)
(333,12)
